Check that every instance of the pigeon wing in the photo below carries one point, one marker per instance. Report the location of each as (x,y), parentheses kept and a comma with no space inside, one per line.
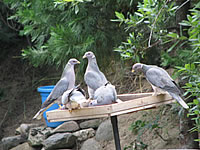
(93,80)
(59,89)
(161,79)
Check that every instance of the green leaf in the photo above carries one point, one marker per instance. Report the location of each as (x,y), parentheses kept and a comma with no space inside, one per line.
(192,66)
(183,38)
(185,23)
(195,101)
(139,14)
(173,35)
(76,9)
(119,15)
(172,47)
(197,112)
(187,66)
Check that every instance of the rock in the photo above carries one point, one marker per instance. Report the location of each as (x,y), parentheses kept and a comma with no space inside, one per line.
(60,149)
(12,141)
(38,134)
(59,140)
(69,126)
(24,146)
(1,145)
(85,134)
(104,131)
(90,124)
(24,129)
(91,144)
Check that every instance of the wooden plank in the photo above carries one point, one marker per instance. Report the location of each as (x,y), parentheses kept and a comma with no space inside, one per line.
(83,112)
(79,118)
(125,97)
(135,109)
(132,103)
(140,102)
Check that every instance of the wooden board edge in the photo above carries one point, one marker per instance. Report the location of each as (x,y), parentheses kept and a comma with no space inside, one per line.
(141,108)
(101,110)
(79,118)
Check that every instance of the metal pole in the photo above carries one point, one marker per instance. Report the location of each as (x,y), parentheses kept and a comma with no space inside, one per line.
(115,132)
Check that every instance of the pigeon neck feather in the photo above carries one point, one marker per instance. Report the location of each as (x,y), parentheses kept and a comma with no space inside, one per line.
(68,68)
(145,68)
(92,64)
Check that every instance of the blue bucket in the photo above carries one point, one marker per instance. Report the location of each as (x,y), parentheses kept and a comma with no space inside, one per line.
(44,92)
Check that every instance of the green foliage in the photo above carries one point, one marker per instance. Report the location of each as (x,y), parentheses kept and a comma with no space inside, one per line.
(151,24)
(62,29)
(62,44)
(191,73)
(190,67)
(127,50)
(137,126)
(7,35)
(136,146)
(147,25)
(146,125)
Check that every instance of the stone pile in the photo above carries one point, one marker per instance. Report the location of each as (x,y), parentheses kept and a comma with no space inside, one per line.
(86,135)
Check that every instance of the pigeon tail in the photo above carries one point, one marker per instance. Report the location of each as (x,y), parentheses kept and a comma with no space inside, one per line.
(179,99)
(38,116)
(119,100)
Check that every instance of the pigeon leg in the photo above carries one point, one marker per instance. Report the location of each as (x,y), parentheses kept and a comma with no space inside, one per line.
(157,91)
(91,93)
(63,107)
(79,106)
(69,106)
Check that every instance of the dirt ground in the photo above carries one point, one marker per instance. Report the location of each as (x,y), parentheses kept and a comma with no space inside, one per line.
(169,130)
(19,101)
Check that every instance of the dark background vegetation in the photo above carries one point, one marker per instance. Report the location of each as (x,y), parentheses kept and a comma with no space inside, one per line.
(38,37)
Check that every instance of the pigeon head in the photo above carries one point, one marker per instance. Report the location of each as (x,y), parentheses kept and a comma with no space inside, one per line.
(137,67)
(89,55)
(73,61)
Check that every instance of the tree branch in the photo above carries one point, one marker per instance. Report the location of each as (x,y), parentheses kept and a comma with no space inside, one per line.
(182,5)
(4,118)
(149,42)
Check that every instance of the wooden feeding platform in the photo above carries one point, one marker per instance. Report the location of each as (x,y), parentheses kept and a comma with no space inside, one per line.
(131,103)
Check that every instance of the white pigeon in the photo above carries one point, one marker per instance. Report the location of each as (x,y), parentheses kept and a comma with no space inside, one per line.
(104,95)
(74,99)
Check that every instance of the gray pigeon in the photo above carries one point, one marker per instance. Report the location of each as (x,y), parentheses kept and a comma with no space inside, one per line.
(160,79)
(74,98)
(93,77)
(104,95)
(66,82)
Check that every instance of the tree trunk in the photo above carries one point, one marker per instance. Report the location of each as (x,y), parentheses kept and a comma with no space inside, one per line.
(181,14)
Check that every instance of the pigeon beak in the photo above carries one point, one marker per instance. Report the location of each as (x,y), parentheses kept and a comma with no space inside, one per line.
(84,56)
(133,70)
(78,62)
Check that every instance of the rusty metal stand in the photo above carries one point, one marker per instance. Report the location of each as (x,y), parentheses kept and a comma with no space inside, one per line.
(115,132)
